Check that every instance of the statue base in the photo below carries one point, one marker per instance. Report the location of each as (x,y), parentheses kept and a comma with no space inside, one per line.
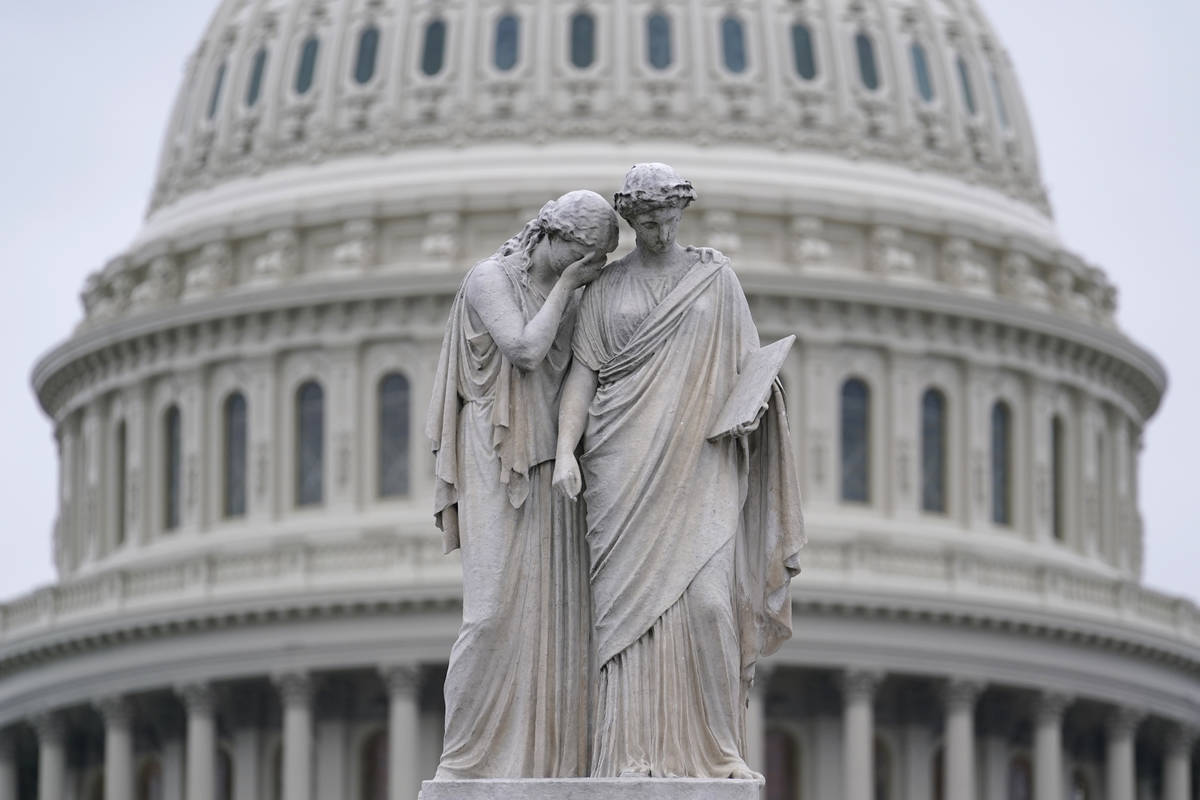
(592,789)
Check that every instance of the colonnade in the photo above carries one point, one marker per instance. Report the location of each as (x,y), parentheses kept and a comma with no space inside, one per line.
(200,742)
(192,771)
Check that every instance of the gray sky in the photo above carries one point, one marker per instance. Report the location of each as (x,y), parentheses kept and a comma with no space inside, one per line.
(1111,85)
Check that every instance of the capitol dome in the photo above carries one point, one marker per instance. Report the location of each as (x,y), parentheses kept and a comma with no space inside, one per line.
(252,600)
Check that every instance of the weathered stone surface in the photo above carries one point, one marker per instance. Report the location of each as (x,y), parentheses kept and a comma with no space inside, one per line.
(592,789)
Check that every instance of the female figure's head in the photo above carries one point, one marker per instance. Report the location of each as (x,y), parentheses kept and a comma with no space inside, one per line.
(652,201)
(566,230)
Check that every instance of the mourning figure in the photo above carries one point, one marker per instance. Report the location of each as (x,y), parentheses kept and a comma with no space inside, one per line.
(518,683)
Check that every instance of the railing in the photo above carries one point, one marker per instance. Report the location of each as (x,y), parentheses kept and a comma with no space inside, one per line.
(389,561)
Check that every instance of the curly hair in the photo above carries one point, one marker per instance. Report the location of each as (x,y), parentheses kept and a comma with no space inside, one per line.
(649,187)
(581,216)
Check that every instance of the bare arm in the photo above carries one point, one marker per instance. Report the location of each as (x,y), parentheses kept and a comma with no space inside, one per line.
(524,344)
(578,391)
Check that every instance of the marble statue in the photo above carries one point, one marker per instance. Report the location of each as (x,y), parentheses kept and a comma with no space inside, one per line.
(692,540)
(518,683)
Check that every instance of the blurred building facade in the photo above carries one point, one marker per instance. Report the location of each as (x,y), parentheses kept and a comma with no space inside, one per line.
(252,600)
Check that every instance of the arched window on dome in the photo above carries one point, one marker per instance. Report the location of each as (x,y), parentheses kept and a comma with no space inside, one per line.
(933,451)
(233,440)
(172,429)
(964,82)
(394,401)
(1081,788)
(583,39)
(868,69)
(733,43)
(433,48)
(1020,779)
(306,70)
(149,781)
(508,40)
(121,468)
(803,51)
(310,444)
(921,75)
(224,787)
(368,49)
(782,767)
(658,40)
(1001,107)
(214,100)
(257,70)
(884,767)
(856,440)
(1057,478)
(373,767)
(1001,464)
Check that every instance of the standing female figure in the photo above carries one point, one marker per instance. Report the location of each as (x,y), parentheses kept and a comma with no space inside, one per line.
(692,542)
(517,684)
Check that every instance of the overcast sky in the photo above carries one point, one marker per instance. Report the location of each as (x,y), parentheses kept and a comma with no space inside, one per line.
(1111,84)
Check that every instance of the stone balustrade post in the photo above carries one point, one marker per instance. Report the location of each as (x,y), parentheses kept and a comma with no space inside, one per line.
(403,685)
(200,772)
(52,764)
(858,733)
(118,746)
(1120,767)
(8,766)
(1047,746)
(959,697)
(295,693)
(1178,766)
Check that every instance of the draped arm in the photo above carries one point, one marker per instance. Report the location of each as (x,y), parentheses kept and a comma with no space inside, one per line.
(577,393)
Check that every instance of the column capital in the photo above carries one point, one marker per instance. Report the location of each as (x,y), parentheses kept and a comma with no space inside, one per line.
(116,710)
(961,693)
(49,726)
(401,679)
(295,688)
(1050,706)
(860,684)
(1122,721)
(198,698)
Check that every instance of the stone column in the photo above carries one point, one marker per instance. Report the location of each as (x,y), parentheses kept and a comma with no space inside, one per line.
(858,734)
(201,759)
(403,684)
(756,719)
(959,762)
(295,692)
(1047,747)
(1178,766)
(118,746)
(52,765)
(8,766)
(1119,759)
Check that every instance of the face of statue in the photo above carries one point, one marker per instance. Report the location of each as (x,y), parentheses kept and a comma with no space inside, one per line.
(565,252)
(656,229)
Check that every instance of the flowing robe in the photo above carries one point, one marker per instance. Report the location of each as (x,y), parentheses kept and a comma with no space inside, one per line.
(692,543)
(517,685)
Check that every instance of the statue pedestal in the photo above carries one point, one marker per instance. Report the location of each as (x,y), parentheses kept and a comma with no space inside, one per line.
(592,789)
